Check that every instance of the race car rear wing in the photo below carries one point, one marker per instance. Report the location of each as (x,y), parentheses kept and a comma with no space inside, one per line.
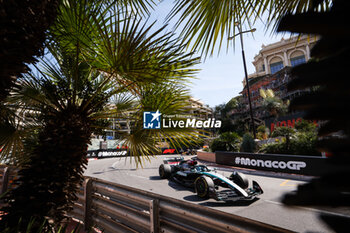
(173,160)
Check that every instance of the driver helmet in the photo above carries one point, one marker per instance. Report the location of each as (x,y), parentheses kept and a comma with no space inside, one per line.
(191,162)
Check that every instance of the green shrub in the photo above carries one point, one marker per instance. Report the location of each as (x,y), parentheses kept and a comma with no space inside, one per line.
(305,126)
(228,141)
(305,144)
(248,143)
(302,143)
(218,145)
(274,148)
(206,149)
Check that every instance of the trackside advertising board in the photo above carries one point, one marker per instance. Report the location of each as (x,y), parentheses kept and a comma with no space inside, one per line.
(108,153)
(292,164)
(167,151)
(111,153)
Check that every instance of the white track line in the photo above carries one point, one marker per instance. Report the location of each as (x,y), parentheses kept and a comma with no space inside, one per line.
(309,209)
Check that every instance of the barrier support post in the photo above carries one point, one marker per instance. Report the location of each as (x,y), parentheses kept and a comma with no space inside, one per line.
(5,180)
(154,215)
(87,204)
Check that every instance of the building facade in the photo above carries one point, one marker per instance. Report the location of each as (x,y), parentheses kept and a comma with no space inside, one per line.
(286,52)
(272,71)
(198,109)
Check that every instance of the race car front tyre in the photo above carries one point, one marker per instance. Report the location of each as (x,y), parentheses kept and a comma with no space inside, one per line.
(240,179)
(203,185)
(164,171)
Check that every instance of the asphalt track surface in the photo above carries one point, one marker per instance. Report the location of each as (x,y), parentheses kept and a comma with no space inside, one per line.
(268,208)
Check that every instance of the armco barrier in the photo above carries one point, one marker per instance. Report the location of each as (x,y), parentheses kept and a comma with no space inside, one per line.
(112,207)
(117,208)
(292,164)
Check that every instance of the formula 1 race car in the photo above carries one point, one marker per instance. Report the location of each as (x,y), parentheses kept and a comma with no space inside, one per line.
(209,183)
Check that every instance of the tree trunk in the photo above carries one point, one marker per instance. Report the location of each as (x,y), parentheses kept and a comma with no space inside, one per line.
(49,181)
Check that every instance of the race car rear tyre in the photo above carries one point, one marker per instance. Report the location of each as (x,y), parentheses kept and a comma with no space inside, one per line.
(240,179)
(203,185)
(164,171)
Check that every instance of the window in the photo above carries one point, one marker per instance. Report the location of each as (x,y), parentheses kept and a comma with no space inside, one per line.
(274,67)
(297,60)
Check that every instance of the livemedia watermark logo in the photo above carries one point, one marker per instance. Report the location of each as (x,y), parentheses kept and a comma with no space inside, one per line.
(153,120)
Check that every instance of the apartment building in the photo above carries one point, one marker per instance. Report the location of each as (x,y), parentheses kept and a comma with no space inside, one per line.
(272,70)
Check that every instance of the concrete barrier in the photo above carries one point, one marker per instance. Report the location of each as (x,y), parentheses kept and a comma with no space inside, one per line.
(291,164)
(206,156)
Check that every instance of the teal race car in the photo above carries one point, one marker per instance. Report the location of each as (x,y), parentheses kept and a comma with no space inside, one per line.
(209,183)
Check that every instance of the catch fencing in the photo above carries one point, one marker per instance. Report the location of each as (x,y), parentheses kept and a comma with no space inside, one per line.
(112,208)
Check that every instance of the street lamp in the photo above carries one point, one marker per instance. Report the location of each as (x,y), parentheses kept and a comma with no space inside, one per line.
(245,71)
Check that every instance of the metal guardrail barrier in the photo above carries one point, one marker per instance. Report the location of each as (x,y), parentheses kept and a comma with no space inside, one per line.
(7,177)
(114,208)
(119,208)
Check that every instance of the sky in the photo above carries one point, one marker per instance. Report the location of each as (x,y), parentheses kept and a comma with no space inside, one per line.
(221,76)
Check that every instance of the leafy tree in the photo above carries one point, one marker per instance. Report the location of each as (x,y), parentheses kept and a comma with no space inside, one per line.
(98,51)
(263,132)
(224,112)
(273,104)
(285,132)
(230,105)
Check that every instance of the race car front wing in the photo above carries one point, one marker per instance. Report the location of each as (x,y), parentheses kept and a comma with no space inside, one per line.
(233,195)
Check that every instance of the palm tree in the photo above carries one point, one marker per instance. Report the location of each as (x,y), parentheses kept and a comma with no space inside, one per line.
(208,23)
(97,52)
(273,104)
(22,36)
(24,27)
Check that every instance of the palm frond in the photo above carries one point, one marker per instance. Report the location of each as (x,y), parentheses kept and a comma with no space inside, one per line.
(136,7)
(130,52)
(206,24)
(169,99)
(16,130)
